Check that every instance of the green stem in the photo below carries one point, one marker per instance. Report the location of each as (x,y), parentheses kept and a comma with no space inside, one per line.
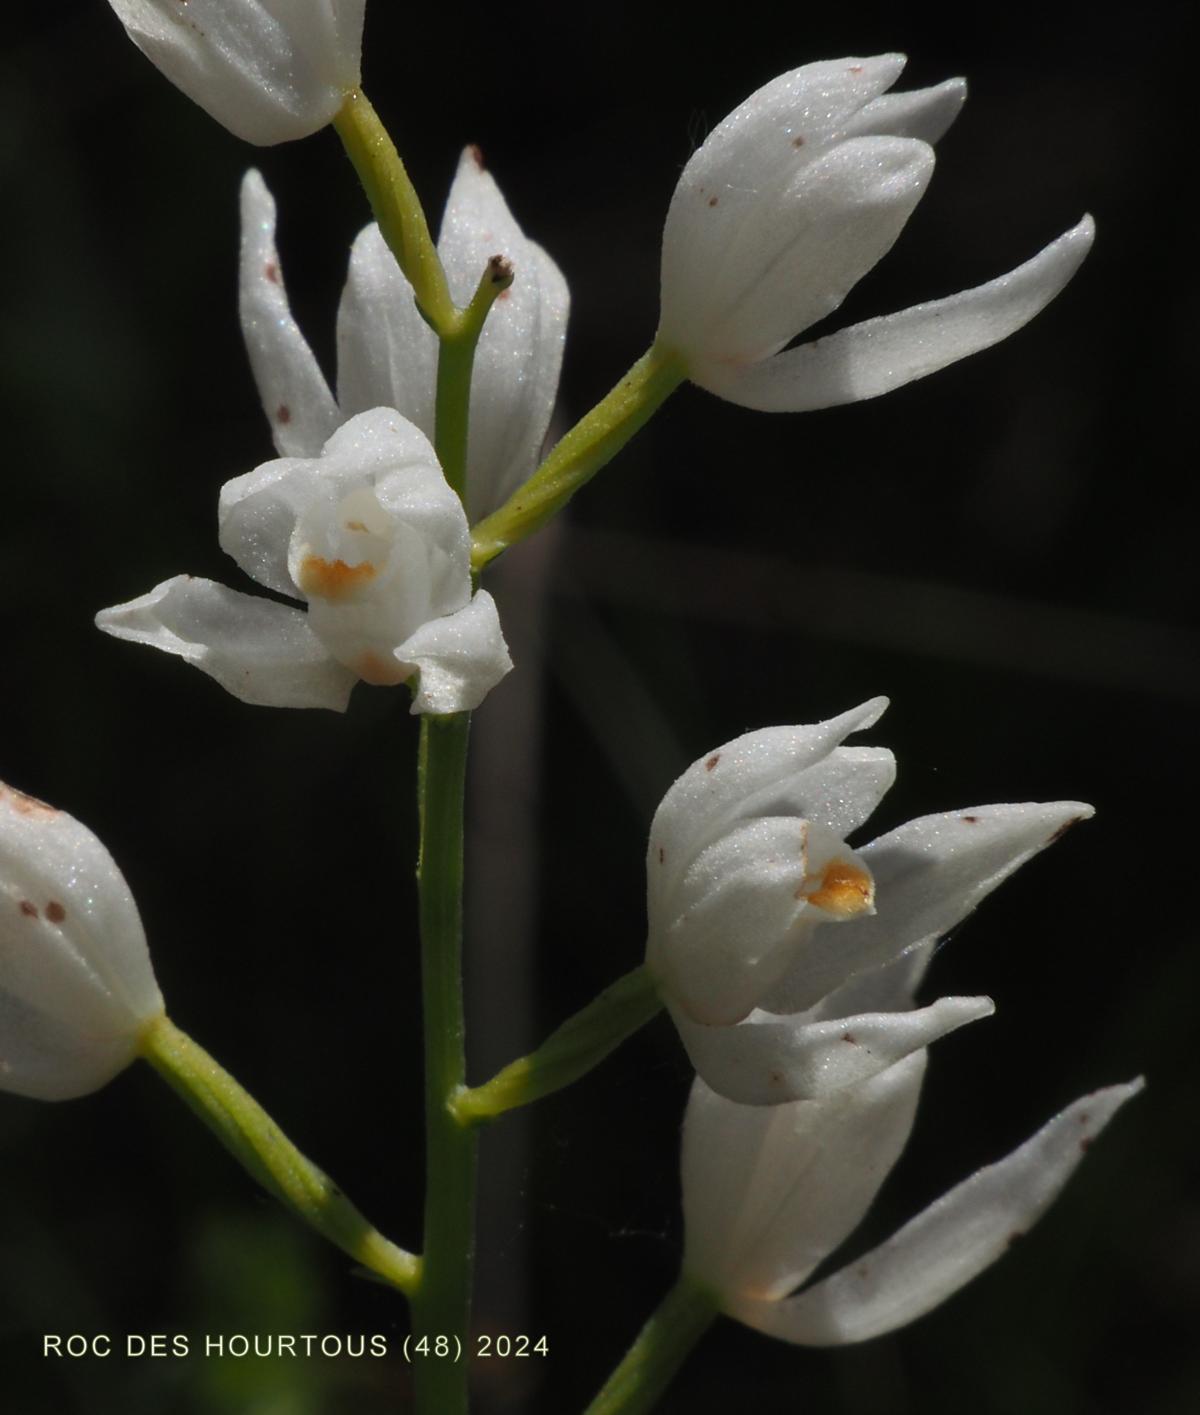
(441,1307)
(568,1053)
(261,1147)
(397,208)
(594,441)
(662,1346)
(456,359)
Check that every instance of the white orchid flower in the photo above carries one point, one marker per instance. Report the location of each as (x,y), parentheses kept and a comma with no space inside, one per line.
(765,926)
(387,354)
(376,542)
(769,1193)
(268,70)
(786,206)
(76,985)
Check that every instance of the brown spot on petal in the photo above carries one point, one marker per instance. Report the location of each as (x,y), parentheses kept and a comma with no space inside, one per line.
(29,908)
(855,69)
(969,820)
(25,805)
(798,142)
(1083,1117)
(55,912)
(475,153)
(845,889)
(662,856)
(1085,1144)
(271,271)
(355,526)
(334,579)
(283,414)
(712,201)
(1015,1237)
(850,1037)
(712,761)
(1062,830)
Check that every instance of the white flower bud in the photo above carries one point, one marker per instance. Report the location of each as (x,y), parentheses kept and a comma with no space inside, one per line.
(786,205)
(76,985)
(268,70)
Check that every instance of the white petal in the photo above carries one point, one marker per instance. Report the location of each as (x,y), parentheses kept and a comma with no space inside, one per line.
(460,657)
(736,910)
(878,355)
(519,355)
(943,1248)
(923,113)
(765,1060)
(258,512)
(794,255)
(387,354)
(743,779)
(76,985)
(295,396)
(262,652)
(269,70)
(929,874)
(769,1191)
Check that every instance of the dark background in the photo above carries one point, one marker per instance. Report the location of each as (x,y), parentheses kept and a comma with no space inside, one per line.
(1006,549)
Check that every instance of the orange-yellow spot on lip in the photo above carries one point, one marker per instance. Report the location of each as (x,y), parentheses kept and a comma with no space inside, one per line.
(333,579)
(845,890)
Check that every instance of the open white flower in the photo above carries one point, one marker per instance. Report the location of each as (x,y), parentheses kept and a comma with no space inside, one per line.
(76,985)
(786,206)
(268,70)
(372,537)
(387,354)
(761,917)
(769,1193)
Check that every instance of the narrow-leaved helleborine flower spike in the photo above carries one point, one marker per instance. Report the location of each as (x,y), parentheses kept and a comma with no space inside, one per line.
(770,1192)
(387,354)
(268,70)
(371,536)
(786,206)
(763,922)
(76,985)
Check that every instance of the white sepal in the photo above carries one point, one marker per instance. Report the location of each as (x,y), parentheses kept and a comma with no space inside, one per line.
(947,1245)
(929,874)
(262,652)
(76,985)
(519,355)
(766,1060)
(295,396)
(865,360)
(770,1191)
(268,70)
